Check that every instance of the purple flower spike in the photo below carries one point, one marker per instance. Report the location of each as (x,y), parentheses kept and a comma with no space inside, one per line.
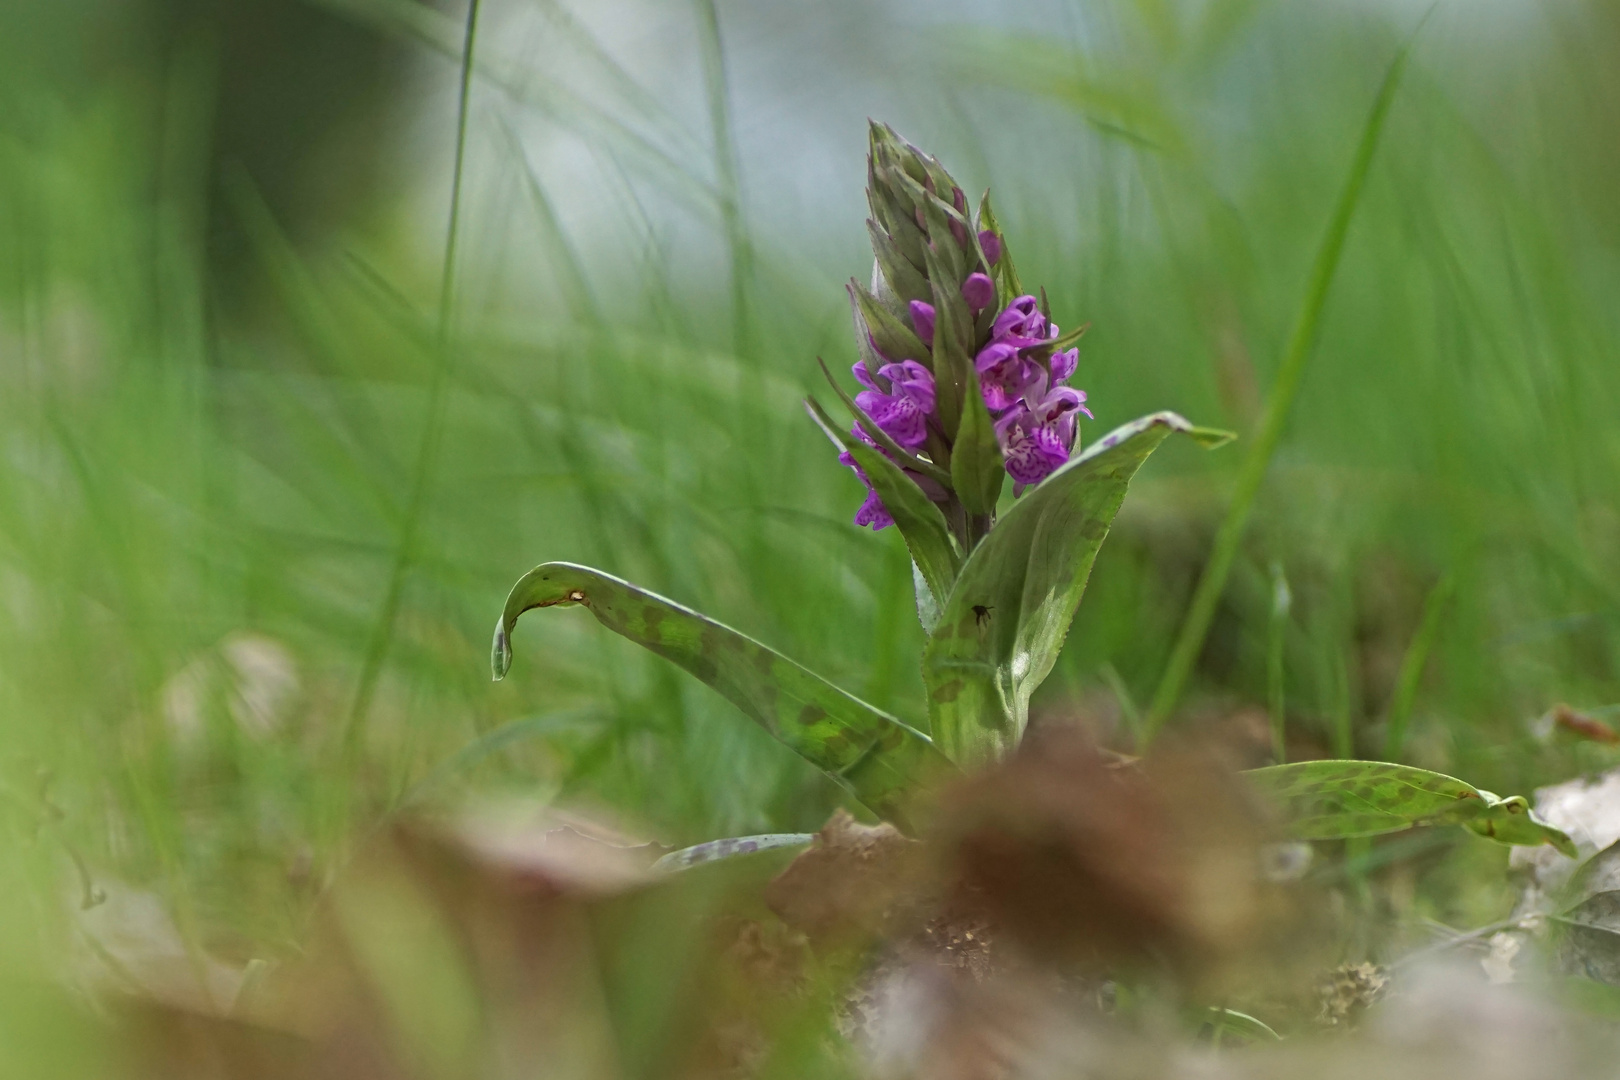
(922,321)
(991,243)
(979,291)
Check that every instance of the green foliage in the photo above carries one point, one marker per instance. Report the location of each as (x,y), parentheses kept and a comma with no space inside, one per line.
(977,469)
(878,758)
(1005,619)
(189,469)
(1334,800)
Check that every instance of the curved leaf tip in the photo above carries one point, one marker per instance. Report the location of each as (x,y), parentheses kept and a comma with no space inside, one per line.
(541,587)
(500,654)
(1211,438)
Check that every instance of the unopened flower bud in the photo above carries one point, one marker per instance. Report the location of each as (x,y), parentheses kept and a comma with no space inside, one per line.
(979,291)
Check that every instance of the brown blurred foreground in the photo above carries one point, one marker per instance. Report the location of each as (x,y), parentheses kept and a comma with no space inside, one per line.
(1066,914)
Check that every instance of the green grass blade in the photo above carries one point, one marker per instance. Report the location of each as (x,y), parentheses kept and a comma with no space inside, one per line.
(1190,639)
(382,632)
(876,757)
(1415,659)
(1276,638)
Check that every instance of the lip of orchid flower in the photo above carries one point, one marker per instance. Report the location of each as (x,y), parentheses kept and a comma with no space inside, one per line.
(1030,449)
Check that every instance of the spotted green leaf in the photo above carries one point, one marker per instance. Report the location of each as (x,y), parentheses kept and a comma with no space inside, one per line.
(1004,621)
(872,754)
(1330,800)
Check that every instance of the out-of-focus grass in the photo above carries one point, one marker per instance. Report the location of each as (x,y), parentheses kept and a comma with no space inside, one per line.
(203,489)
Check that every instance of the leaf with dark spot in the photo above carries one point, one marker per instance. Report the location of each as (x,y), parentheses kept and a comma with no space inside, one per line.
(875,756)
(1330,800)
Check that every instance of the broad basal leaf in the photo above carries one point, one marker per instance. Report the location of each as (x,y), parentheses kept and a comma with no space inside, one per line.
(878,758)
(1005,620)
(1331,800)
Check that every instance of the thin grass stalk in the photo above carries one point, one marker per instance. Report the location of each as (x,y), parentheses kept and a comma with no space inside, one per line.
(726,170)
(1413,663)
(1195,627)
(1281,603)
(382,634)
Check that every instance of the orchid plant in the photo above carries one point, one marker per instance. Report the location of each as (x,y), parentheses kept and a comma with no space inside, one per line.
(963,381)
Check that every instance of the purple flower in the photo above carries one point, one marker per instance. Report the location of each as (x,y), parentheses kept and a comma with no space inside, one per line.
(979,291)
(872,512)
(991,244)
(1003,374)
(922,321)
(1037,433)
(1023,325)
(1056,408)
(1031,450)
(1006,370)
(898,401)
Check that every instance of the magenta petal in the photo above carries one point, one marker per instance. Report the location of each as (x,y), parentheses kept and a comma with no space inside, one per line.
(994,355)
(1063,364)
(873,513)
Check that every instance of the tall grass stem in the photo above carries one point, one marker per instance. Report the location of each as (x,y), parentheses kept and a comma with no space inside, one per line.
(382,633)
(1413,663)
(1195,626)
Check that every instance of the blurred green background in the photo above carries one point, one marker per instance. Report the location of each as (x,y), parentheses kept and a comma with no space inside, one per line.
(256,525)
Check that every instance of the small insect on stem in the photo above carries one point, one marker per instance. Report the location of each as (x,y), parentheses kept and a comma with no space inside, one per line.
(981,615)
